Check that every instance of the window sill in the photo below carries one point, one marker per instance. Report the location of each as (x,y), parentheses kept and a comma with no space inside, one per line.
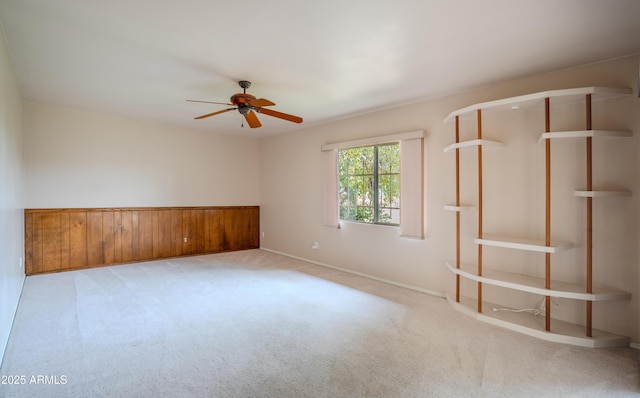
(368,223)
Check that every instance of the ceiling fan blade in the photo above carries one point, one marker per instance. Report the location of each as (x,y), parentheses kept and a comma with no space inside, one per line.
(252,119)
(285,116)
(260,102)
(214,113)
(209,102)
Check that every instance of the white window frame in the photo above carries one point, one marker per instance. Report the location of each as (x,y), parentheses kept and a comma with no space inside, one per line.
(411,179)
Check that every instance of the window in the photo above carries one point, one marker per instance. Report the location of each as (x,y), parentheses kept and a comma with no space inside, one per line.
(352,190)
(369,184)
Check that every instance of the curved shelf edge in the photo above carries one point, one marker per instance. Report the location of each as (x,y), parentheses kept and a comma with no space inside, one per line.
(531,325)
(600,92)
(522,244)
(488,144)
(602,194)
(585,134)
(458,208)
(526,283)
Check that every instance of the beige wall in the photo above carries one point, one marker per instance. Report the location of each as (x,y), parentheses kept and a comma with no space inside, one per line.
(291,195)
(77,158)
(11,211)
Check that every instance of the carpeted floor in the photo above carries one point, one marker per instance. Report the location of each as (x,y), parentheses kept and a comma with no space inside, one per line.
(257,324)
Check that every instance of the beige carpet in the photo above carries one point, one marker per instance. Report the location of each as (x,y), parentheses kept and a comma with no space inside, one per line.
(257,324)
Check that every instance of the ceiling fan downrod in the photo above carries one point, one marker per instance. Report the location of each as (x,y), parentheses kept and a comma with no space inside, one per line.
(245,84)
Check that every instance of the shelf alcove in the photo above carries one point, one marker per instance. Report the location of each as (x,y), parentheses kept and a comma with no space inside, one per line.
(544,327)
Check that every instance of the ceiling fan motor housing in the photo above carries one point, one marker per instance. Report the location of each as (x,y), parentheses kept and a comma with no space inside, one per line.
(241,98)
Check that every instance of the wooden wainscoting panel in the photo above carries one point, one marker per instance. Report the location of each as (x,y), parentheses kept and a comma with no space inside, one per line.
(155,226)
(186,232)
(33,243)
(50,242)
(164,234)
(95,250)
(77,239)
(253,232)
(65,258)
(66,239)
(126,232)
(145,235)
(135,237)
(197,231)
(212,233)
(228,227)
(108,237)
(117,237)
(176,233)
(29,260)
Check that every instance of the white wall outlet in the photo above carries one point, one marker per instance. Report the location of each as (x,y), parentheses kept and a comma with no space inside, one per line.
(262,234)
(315,246)
(185,239)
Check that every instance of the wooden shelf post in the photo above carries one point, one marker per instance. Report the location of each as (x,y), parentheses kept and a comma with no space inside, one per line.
(457,205)
(547,282)
(479,209)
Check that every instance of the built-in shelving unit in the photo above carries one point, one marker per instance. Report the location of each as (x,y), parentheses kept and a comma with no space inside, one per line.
(544,327)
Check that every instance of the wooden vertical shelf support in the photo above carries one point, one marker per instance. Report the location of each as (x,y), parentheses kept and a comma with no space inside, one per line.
(457,213)
(479,209)
(589,239)
(547,282)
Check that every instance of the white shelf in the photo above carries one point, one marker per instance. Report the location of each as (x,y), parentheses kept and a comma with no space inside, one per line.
(522,244)
(488,144)
(585,134)
(459,208)
(602,194)
(535,285)
(532,325)
(566,96)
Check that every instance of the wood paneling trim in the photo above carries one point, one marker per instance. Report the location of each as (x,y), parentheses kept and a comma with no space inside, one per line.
(67,239)
(93,209)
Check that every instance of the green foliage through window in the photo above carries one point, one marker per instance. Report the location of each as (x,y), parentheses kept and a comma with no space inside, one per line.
(370,184)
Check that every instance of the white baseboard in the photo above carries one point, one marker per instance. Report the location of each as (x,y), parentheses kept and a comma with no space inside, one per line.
(375,278)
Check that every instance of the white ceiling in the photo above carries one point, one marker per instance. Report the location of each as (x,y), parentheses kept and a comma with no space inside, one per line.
(321,60)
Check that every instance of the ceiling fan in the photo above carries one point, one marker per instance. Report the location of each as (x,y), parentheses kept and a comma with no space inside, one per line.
(248,105)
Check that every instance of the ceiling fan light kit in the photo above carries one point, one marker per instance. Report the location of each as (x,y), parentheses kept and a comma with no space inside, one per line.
(247,105)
